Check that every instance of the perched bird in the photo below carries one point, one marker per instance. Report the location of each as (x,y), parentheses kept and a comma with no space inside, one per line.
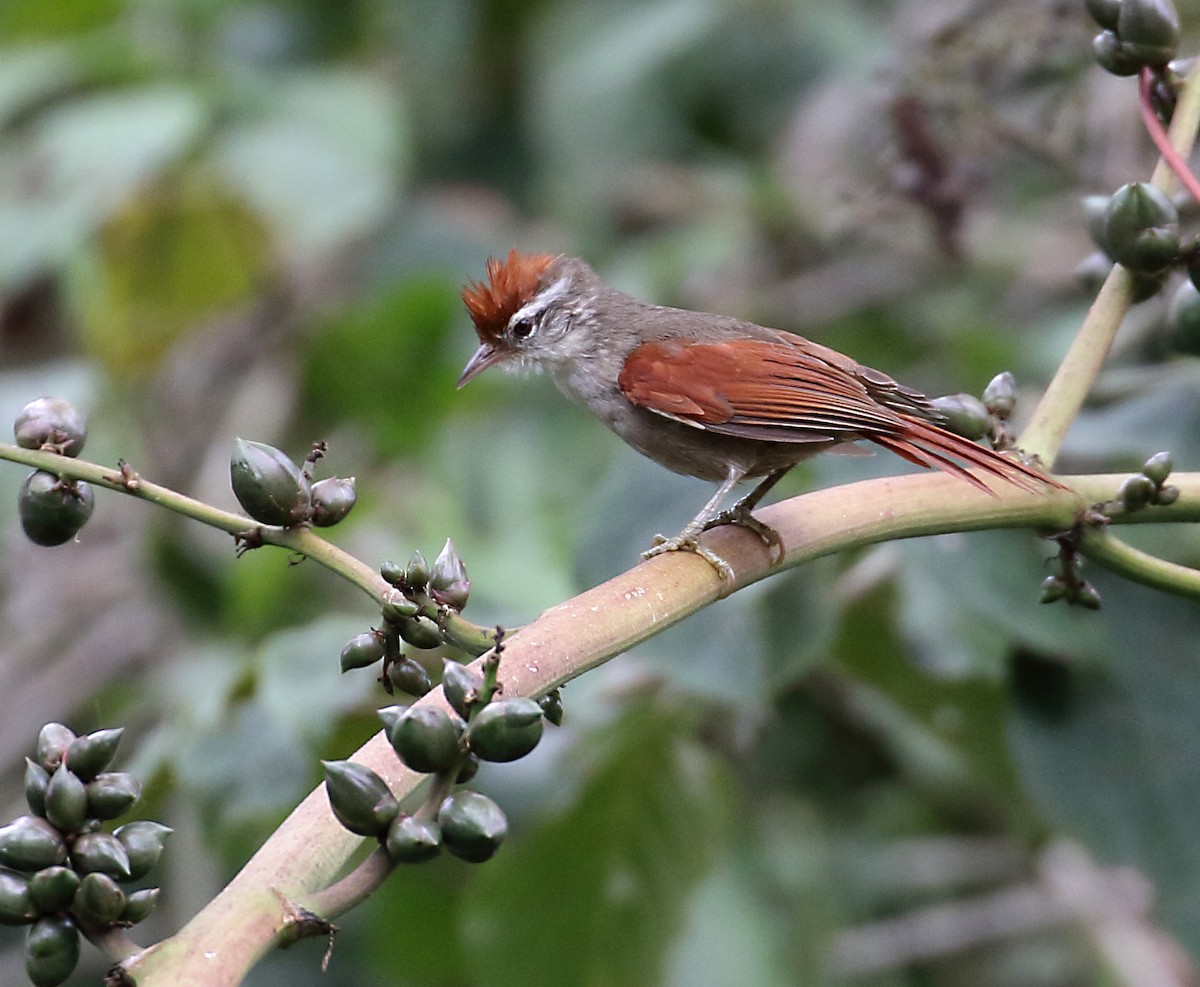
(706,395)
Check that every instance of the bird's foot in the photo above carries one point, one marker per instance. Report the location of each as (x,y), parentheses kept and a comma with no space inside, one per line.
(686,541)
(742,517)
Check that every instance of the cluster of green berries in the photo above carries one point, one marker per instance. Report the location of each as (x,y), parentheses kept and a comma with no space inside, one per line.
(417,590)
(60,872)
(1136,34)
(52,508)
(274,490)
(1149,487)
(974,418)
(449,744)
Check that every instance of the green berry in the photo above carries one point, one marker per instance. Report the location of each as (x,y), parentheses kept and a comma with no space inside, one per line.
(66,800)
(448,582)
(17,906)
(409,676)
(101,853)
(428,739)
(1141,228)
(111,794)
(29,843)
(1158,467)
(963,414)
(87,756)
(359,798)
(1136,492)
(412,841)
(99,901)
(268,485)
(53,888)
(143,842)
(506,729)
(462,687)
(53,510)
(51,950)
(1000,396)
(1183,319)
(473,826)
(420,632)
(332,500)
(139,905)
(362,651)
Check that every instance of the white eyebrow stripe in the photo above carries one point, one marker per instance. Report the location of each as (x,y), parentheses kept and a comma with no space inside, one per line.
(541,301)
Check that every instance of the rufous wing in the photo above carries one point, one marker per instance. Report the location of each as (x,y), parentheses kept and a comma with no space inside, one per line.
(800,392)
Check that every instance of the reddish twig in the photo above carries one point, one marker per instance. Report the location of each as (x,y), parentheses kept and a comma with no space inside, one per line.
(1154,127)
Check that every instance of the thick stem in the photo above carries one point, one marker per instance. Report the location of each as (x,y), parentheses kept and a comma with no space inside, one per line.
(1073,381)
(305,854)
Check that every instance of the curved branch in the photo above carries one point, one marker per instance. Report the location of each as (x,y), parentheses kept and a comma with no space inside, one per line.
(1059,406)
(1103,547)
(470,637)
(309,849)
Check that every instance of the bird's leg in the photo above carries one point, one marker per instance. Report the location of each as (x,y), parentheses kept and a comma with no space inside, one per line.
(709,517)
(739,513)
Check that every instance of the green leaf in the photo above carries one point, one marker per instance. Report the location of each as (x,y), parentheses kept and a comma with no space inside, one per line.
(598,894)
(1110,754)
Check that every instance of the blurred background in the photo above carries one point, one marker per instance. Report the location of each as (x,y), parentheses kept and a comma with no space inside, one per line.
(892,767)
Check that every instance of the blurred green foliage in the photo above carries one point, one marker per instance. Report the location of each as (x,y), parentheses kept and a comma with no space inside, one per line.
(252,218)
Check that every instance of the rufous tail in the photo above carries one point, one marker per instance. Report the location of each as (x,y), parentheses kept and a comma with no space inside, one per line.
(932,447)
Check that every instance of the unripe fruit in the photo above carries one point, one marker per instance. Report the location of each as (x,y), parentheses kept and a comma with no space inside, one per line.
(98,900)
(17,906)
(143,842)
(332,499)
(101,853)
(359,798)
(411,840)
(139,905)
(87,756)
(51,422)
(461,686)
(1136,492)
(964,415)
(473,826)
(51,950)
(53,888)
(1158,467)
(268,485)
(111,794)
(409,676)
(428,739)
(52,510)
(37,780)
(1141,228)
(1000,396)
(29,843)
(362,651)
(506,729)
(420,632)
(66,800)
(53,741)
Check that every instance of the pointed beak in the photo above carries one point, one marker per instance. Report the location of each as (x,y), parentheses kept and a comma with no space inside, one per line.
(484,357)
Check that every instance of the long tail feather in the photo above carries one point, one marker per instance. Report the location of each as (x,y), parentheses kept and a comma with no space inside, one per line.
(931,447)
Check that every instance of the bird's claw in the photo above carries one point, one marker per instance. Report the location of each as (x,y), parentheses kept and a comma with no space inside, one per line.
(743,518)
(684,542)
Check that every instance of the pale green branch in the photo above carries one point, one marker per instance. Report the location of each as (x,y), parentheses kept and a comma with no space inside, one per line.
(1103,547)
(1059,406)
(309,850)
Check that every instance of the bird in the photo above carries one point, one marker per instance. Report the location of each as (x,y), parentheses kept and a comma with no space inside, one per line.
(706,395)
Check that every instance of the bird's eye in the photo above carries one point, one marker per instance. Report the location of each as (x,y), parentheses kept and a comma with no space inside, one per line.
(523,329)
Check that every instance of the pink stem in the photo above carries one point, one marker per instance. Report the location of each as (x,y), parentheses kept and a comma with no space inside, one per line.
(1172,157)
